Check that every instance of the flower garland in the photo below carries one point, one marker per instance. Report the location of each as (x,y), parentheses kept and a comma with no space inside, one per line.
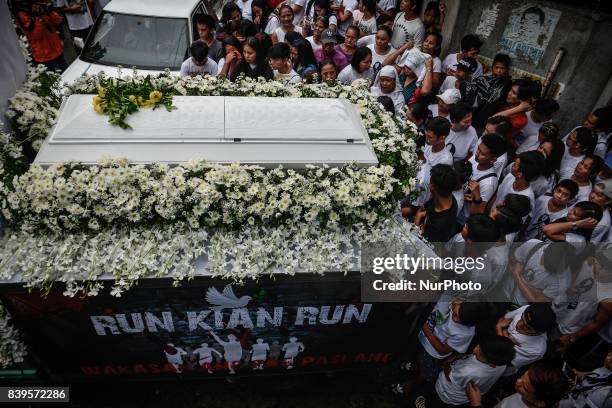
(117,99)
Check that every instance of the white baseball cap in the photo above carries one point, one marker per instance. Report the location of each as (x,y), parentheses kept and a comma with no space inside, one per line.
(450,96)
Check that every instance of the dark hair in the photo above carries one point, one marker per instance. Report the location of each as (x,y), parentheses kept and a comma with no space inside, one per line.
(549,130)
(495,143)
(531,164)
(540,317)
(198,50)
(324,4)
(586,354)
(226,12)
(205,20)
(444,179)
(482,228)
(509,217)
(597,165)
(464,172)
(360,54)
(326,62)
(546,107)
(459,111)
(570,185)
(586,139)
(518,204)
(370,5)
(305,56)
(291,36)
(387,30)
(382,19)
(419,110)
(527,88)
(438,39)
(247,28)
(604,118)
(265,13)
(387,103)
(470,41)
(354,28)
(471,313)
(323,19)
(549,383)
(285,6)
(439,126)
(502,124)
(589,210)
(552,163)
(416,6)
(233,41)
(497,350)
(433,6)
(534,10)
(262,69)
(279,50)
(502,59)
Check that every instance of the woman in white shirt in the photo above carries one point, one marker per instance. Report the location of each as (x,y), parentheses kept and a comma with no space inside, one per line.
(387,84)
(359,68)
(366,19)
(264,18)
(381,47)
(286,18)
(320,24)
(314,10)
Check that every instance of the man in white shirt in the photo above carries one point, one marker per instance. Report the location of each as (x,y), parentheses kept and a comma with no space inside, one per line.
(462,138)
(199,63)
(470,47)
(550,208)
(602,196)
(599,122)
(78,16)
(245,7)
(527,327)
(542,112)
(526,168)
(407,25)
(445,100)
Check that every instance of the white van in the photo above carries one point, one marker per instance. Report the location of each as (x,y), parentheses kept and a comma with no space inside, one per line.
(151,35)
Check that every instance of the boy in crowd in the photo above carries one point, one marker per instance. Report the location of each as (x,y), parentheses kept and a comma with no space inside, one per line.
(462,137)
(470,47)
(463,73)
(280,61)
(526,327)
(600,123)
(602,196)
(199,63)
(438,216)
(205,25)
(548,130)
(482,368)
(502,126)
(526,168)
(434,153)
(584,172)
(542,112)
(542,385)
(578,143)
(483,183)
(445,100)
(550,208)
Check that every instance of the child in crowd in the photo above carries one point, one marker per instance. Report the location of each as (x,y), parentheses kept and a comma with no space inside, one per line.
(199,63)
(463,73)
(470,47)
(438,216)
(462,138)
(280,61)
(526,168)
(548,130)
(583,175)
(509,215)
(578,144)
(550,208)
(577,227)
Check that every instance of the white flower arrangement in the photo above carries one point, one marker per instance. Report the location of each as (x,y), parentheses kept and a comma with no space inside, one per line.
(12,349)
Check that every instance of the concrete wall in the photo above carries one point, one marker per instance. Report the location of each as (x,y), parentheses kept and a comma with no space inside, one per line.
(585,36)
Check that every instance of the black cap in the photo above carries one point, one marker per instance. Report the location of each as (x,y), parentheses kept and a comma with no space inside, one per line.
(540,317)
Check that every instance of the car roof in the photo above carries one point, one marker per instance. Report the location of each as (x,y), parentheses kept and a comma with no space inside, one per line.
(153,8)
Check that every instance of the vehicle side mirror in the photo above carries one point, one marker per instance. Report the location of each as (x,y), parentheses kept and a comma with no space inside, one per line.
(78,42)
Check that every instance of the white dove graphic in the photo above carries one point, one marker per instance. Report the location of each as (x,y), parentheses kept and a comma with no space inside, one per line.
(225,300)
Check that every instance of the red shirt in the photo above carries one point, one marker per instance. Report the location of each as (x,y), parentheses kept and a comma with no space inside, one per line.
(42,35)
(518,121)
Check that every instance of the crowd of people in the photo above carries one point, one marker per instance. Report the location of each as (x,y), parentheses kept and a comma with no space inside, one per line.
(496,168)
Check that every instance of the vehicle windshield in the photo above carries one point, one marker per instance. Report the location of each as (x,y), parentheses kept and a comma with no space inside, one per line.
(138,41)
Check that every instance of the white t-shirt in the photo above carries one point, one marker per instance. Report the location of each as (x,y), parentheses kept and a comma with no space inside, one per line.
(530,143)
(290,77)
(348,75)
(349,7)
(464,142)
(456,335)
(272,24)
(540,216)
(487,186)
(280,34)
(77,21)
(496,264)
(513,401)
(449,83)
(532,128)
(528,348)
(568,164)
(534,273)
(367,26)
(366,40)
(462,372)
(376,57)
(460,199)
(601,148)
(189,68)
(451,60)
(404,30)
(601,229)
(245,7)
(314,45)
(420,72)
(385,5)
(506,188)
(583,194)
(499,164)
(542,185)
(431,159)
(595,392)
(297,17)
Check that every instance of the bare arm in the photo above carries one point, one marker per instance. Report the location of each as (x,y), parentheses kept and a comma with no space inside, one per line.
(427,84)
(603,316)
(440,347)
(531,294)
(524,106)
(557,231)
(390,59)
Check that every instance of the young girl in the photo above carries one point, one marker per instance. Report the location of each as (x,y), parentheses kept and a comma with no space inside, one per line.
(349,46)
(304,63)
(286,18)
(365,19)
(359,68)
(254,64)
(320,24)
(381,48)
(233,55)
(314,10)
(264,17)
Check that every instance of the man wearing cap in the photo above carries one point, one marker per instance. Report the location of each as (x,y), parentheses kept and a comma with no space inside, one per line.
(328,51)
(463,72)
(445,99)
(527,327)
(602,196)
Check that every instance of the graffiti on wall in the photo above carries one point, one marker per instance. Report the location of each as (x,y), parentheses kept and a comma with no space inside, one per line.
(488,18)
(530,28)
